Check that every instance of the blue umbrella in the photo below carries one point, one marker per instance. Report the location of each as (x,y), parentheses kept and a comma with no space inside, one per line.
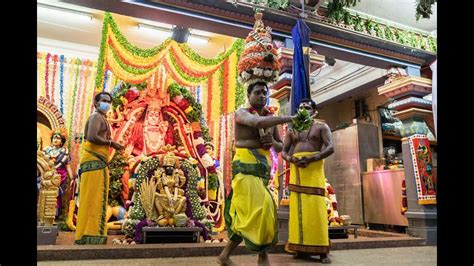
(300,82)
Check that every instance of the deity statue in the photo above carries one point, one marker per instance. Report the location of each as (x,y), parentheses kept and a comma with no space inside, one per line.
(154,129)
(170,199)
(210,150)
(59,155)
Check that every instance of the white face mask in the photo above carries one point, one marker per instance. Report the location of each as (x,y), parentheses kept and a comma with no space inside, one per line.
(104,107)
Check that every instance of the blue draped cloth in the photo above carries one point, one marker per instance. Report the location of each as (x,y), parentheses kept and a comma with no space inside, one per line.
(300,83)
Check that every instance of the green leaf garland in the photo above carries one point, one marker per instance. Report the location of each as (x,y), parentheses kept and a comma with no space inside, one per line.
(181,72)
(128,68)
(197,209)
(116,169)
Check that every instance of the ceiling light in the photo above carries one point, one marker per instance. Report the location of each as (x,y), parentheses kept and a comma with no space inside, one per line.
(166,32)
(198,39)
(82,14)
(193,38)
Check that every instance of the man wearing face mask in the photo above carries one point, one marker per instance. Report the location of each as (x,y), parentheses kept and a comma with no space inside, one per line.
(94,187)
(308,223)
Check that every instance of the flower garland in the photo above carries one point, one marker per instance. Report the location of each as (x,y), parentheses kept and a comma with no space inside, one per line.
(116,167)
(46,76)
(71,65)
(176,77)
(227,148)
(197,209)
(222,89)
(131,69)
(136,61)
(192,68)
(88,104)
(72,107)
(61,83)
(181,71)
(231,75)
(135,65)
(74,143)
(41,73)
(225,87)
(210,92)
(55,62)
(221,150)
(83,106)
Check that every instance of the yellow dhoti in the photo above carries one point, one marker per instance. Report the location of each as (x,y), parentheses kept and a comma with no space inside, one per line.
(94,187)
(308,223)
(250,212)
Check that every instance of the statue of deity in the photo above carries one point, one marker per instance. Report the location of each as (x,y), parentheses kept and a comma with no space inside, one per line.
(170,199)
(154,129)
(59,155)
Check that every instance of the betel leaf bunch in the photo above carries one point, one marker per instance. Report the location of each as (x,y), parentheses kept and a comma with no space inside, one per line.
(302,121)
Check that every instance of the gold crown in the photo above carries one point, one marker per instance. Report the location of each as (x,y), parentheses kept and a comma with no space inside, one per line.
(170,160)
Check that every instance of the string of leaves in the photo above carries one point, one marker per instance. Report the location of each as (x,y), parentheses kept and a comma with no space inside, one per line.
(198,211)
(212,181)
(116,169)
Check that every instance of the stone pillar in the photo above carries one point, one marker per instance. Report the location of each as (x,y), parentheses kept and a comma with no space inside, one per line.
(414,112)
(281,91)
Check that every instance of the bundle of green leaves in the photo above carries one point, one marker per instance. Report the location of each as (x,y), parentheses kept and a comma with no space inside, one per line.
(302,121)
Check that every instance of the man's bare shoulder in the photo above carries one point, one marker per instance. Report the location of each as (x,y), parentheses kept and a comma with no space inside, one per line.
(242,110)
(95,117)
(321,125)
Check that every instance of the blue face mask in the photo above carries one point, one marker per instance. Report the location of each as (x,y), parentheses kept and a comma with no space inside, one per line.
(104,107)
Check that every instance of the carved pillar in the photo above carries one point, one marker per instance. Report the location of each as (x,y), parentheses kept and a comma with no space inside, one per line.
(414,112)
(49,187)
(280,91)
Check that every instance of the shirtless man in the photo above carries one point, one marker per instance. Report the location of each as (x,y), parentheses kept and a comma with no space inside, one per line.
(305,151)
(94,186)
(251,215)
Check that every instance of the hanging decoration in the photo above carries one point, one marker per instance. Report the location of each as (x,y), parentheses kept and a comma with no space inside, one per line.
(61,83)
(134,65)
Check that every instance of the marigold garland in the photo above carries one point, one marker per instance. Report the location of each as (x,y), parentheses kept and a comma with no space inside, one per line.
(216,96)
(128,68)
(71,112)
(71,64)
(41,74)
(74,143)
(225,87)
(222,89)
(210,92)
(181,71)
(231,86)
